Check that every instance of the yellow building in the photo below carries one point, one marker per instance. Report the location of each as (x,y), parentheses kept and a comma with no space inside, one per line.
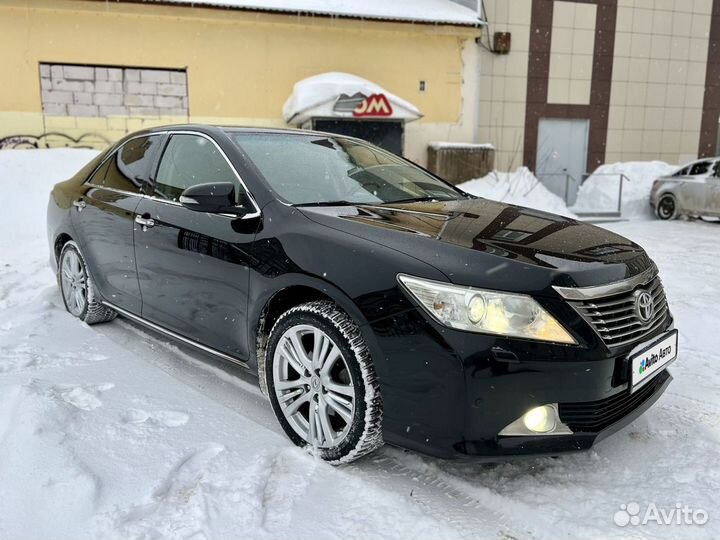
(86,72)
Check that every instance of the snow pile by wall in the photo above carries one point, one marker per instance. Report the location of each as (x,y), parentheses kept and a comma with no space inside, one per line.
(599,193)
(33,173)
(520,187)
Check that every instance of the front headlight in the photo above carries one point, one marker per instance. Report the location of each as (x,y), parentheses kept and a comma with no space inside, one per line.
(489,312)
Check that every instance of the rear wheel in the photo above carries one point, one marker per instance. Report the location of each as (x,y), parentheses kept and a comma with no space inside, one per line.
(77,288)
(667,207)
(322,383)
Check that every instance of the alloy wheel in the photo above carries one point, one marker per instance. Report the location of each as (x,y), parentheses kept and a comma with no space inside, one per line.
(313,385)
(74,283)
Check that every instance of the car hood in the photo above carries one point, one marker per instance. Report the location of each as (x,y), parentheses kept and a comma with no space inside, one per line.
(484,243)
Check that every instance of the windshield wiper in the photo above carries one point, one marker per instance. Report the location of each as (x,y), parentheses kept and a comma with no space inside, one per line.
(419,199)
(329,203)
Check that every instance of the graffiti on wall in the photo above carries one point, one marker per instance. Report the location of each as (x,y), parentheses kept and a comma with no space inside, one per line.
(53,140)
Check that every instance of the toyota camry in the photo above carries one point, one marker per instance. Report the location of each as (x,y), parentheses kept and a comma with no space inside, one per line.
(376,302)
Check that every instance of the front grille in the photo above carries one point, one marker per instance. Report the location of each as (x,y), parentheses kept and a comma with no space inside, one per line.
(594,416)
(614,317)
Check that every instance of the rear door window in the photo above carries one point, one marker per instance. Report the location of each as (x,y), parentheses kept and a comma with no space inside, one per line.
(129,168)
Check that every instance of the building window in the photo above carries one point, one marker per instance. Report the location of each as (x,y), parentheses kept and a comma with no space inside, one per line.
(73,90)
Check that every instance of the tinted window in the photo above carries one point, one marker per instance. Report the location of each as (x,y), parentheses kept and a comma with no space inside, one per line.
(189,160)
(698,169)
(129,167)
(307,169)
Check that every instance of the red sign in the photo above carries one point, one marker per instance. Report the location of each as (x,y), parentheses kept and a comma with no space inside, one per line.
(374,105)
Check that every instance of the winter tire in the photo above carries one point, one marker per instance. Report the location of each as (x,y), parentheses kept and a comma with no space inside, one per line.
(77,288)
(667,208)
(322,383)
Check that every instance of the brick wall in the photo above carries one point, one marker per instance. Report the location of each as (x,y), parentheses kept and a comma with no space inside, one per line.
(69,90)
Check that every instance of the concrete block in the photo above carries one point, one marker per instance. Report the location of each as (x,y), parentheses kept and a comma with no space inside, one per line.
(176,112)
(55,96)
(55,109)
(83,98)
(68,86)
(118,122)
(59,123)
(137,100)
(46,84)
(101,74)
(154,76)
(45,70)
(79,73)
(141,88)
(56,72)
(92,124)
(82,110)
(144,111)
(179,90)
(132,75)
(114,74)
(108,87)
(168,102)
(178,77)
(113,110)
(107,99)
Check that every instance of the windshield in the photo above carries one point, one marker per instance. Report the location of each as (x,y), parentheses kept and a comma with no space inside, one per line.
(320,169)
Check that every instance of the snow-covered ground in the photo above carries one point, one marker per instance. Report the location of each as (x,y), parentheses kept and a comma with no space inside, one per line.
(113,432)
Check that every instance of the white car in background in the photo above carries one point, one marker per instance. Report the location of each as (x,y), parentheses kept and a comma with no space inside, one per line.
(693,190)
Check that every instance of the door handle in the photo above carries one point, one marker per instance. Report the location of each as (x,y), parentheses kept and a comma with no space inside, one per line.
(79,204)
(144,222)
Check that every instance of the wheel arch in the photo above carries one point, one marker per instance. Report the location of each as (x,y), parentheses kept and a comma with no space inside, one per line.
(286,297)
(60,241)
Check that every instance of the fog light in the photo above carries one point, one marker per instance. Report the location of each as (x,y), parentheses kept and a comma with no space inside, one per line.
(540,419)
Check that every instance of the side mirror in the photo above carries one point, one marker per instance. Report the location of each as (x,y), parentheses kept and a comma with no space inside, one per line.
(214,197)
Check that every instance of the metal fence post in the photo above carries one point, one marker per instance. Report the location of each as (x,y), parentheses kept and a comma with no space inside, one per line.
(567,188)
(620,190)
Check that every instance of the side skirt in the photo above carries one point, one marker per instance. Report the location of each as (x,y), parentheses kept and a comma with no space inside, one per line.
(178,337)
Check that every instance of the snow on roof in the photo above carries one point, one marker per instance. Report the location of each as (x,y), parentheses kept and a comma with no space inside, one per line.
(422,11)
(316,97)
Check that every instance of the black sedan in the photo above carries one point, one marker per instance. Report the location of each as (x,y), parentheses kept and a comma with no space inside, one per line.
(375,301)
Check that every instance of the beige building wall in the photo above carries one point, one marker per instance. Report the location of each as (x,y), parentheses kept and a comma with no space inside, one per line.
(503,83)
(656,103)
(571,53)
(241,66)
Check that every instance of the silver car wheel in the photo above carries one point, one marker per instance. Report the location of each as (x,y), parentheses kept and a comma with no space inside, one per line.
(74,283)
(313,385)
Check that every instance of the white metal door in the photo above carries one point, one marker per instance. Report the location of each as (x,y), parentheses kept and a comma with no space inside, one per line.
(562,155)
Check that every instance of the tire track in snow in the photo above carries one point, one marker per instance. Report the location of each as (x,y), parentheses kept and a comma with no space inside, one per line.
(236,389)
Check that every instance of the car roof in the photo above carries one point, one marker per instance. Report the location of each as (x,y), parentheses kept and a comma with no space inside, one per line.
(698,161)
(214,128)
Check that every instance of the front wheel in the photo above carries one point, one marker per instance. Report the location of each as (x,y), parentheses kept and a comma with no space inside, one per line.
(667,207)
(322,383)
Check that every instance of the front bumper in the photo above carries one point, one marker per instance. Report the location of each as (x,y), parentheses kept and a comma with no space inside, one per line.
(449,393)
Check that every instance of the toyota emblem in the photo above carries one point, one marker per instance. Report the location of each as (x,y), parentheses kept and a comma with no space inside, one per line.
(644,306)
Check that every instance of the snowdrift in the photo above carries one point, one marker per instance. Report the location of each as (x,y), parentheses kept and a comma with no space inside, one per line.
(520,187)
(599,193)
